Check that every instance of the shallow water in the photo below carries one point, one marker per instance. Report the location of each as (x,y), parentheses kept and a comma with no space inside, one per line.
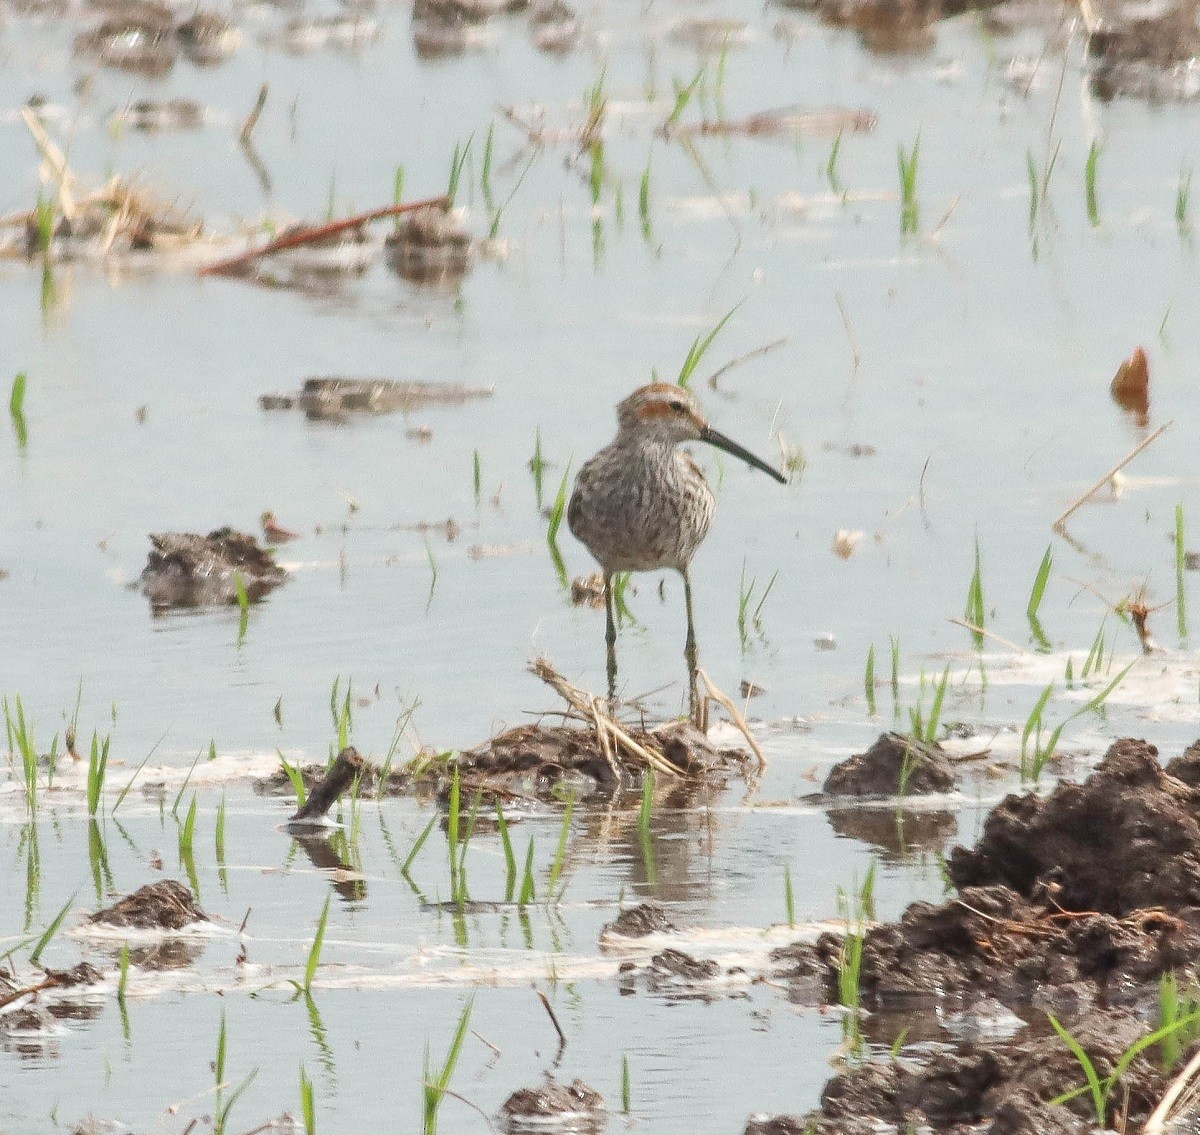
(985,352)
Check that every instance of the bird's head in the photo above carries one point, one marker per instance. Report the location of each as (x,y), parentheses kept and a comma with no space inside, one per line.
(668,413)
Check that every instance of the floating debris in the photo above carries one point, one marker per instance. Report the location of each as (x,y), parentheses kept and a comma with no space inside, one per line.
(188,570)
(165,905)
(274,532)
(588,590)
(845,542)
(136,36)
(830,123)
(335,398)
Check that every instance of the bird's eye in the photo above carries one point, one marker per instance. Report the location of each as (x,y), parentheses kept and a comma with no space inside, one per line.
(676,405)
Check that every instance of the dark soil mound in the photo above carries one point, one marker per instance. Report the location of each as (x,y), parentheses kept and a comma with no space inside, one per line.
(893,766)
(187,570)
(575,1107)
(1128,838)
(638,921)
(166,905)
(999,1090)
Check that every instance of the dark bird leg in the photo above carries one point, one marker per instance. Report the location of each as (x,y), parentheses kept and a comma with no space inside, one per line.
(610,637)
(689,649)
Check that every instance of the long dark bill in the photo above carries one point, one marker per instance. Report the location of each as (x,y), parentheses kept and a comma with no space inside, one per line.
(713,437)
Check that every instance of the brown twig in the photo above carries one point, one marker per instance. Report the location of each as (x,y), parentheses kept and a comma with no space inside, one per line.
(724,700)
(253,117)
(235,265)
(986,634)
(1059,524)
(562,1036)
(766,348)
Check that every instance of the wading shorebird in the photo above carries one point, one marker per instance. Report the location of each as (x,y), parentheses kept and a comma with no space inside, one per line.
(642,505)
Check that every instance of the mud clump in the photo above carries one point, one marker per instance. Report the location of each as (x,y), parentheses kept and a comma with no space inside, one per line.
(893,766)
(1076,903)
(336,398)
(1147,54)
(639,921)
(166,905)
(537,759)
(430,246)
(1126,839)
(188,570)
(536,1108)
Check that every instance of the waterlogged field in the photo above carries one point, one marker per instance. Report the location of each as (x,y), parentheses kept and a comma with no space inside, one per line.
(929,286)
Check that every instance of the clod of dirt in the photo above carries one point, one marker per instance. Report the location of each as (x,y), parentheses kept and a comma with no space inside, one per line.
(1148,54)
(529,1108)
(639,921)
(675,965)
(889,27)
(537,759)
(1003,1090)
(1126,839)
(430,246)
(187,570)
(208,38)
(588,590)
(82,974)
(136,36)
(165,905)
(334,398)
(555,27)
(894,765)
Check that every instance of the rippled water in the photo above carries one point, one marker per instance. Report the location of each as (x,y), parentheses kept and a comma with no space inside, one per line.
(978,408)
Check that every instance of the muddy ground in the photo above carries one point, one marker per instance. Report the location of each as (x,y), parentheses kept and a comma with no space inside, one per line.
(1074,904)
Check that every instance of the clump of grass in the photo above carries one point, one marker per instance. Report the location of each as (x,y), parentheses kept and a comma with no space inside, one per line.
(789,896)
(528,891)
(16,408)
(625,1089)
(314,953)
(1035,600)
(700,346)
(485,173)
(831,170)
(1034,193)
(910,209)
(748,619)
(560,852)
(435,1086)
(683,96)
(976,613)
(1174,1006)
(925,728)
(644,203)
(307,1103)
(297,779)
(477,476)
(20,741)
(869,680)
(556,518)
(48,934)
(418,843)
(97,764)
(1183,196)
(398,186)
(456,168)
(1035,758)
(510,858)
(243,602)
(855,912)
(1100,1087)
(1093,204)
(537,466)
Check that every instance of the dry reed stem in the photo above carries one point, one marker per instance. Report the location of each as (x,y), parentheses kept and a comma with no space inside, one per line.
(987,634)
(1058,525)
(723,699)
(1182,1091)
(603,722)
(55,159)
(234,264)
